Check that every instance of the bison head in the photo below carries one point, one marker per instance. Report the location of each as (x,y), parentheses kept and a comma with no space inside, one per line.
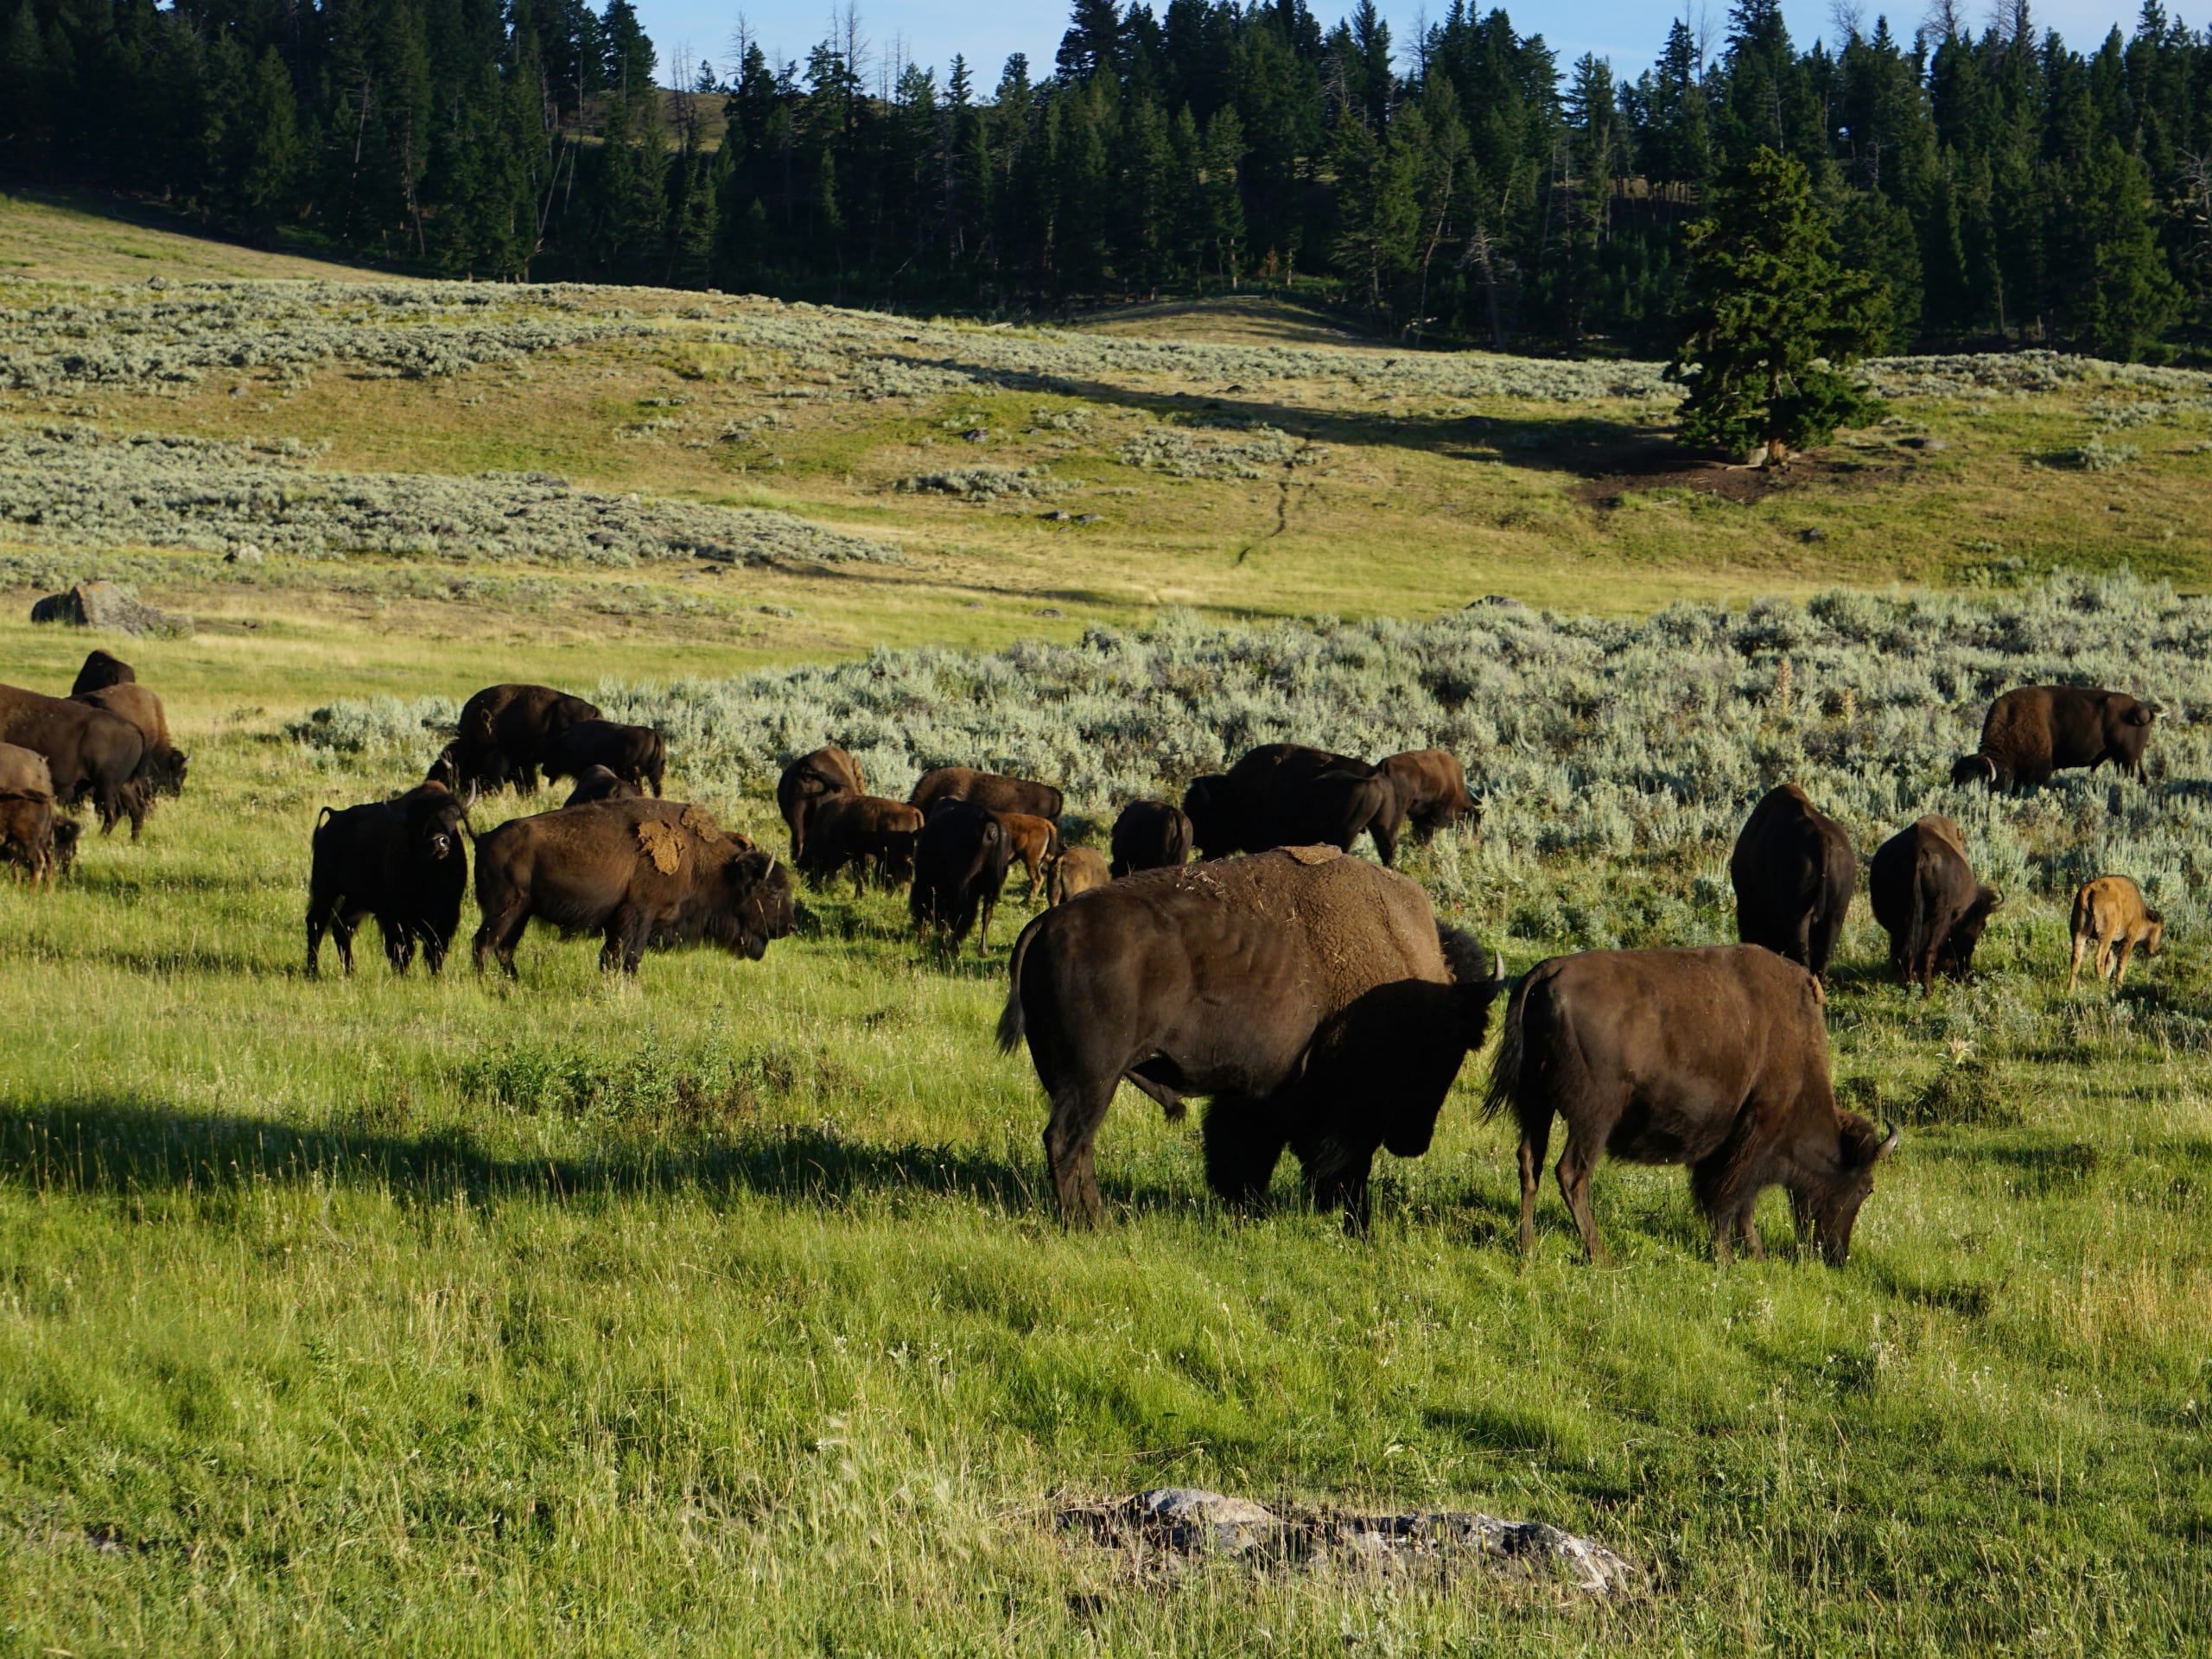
(66,831)
(1832,1180)
(1216,825)
(2154,933)
(1980,768)
(434,821)
(1956,956)
(754,904)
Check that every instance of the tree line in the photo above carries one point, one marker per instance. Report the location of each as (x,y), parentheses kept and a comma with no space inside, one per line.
(1466,189)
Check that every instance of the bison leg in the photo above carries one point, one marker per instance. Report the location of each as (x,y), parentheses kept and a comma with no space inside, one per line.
(499,935)
(433,948)
(1536,1140)
(342,935)
(1573,1170)
(319,918)
(398,944)
(1243,1149)
(2126,950)
(2074,972)
(983,937)
(627,929)
(1079,1107)
(1344,1189)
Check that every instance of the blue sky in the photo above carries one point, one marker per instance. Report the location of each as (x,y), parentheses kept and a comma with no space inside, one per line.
(986,31)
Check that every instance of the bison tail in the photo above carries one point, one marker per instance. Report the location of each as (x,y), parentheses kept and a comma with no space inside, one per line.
(1503,1090)
(325,815)
(1010,1018)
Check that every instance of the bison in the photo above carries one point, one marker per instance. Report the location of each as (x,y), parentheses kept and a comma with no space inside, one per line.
(502,737)
(598,784)
(809,781)
(1247,808)
(102,670)
(637,755)
(990,789)
(2110,911)
(637,873)
(402,860)
(26,825)
(1716,1058)
(1150,835)
(1036,843)
(1928,900)
(1333,809)
(1432,789)
(860,833)
(1794,870)
(165,764)
(1314,997)
(1078,870)
(24,772)
(2035,730)
(960,864)
(91,753)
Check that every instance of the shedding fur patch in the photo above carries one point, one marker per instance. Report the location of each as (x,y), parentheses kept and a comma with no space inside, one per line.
(701,823)
(664,844)
(1314,855)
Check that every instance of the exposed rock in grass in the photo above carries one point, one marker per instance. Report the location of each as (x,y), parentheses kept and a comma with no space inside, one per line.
(103,605)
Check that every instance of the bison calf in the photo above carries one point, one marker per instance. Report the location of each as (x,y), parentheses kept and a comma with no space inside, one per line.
(1078,869)
(1432,789)
(598,784)
(960,864)
(401,860)
(860,833)
(1150,835)
(2110,911)
(1036,842)
(1928,900)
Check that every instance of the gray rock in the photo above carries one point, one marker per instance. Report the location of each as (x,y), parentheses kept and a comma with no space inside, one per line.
(104,605)
(1927,446)
(246,553)
(1048,610)
(1499,601)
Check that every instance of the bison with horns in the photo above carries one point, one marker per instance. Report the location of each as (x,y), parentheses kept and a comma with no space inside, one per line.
(1793,870)
(1715,1058)
(502,736)
(638,871)
(1313,997)
(2035,730)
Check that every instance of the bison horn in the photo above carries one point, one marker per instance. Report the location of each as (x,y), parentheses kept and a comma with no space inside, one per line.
(1890,1145)
(769,874)
(1496,966)
(1990,765)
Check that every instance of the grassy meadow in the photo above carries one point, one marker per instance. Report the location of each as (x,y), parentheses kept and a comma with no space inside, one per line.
(727,1310)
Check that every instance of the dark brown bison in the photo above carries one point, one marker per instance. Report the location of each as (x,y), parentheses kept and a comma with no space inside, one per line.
(993,790)
(1078,870)
(1247,809)
(2035,730)
(1313,997)
(861,833)
(403,862)
(91,755)
(2110,911)
(1150,835)
(1793,872)
(809,781)
(1336,808)
(636,754)
(1432,787)
(637,873)
(165,764)
(502,735)
(1036,844)
(26,823)
(960,865)
(598,784)
(1717,1058)
(1928,900)
(24,772)
(102,670)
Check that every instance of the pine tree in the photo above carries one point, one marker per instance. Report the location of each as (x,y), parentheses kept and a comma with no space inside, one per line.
(1774,321)
(2112,291)
(1220,158)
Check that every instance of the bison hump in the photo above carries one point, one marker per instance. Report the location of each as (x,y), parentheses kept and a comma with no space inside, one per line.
(1314,855)
(664,844)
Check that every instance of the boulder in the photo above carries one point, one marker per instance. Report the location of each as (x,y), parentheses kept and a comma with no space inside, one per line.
(104,605)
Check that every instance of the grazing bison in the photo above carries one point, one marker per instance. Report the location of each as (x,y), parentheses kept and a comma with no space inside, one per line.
(1247,808)
(636,754)
(807,783)
(24,772)
(991,789)
(2110,911)
(1929,902)
(1431,788)
(1793,872)
(960,864)
(1333,809)
(858,833)
(1036,843)
(91,755)
(102,670)
(502,736)
(1717,1058)
(638,871)
(27,824)
(402,860)
(1150,835)
(1313,997)
(1078,869)
(598,784)
(2035,730)
(165,764)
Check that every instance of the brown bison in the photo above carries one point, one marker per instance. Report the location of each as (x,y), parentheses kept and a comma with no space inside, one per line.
(165,764)
(1432,789)
(809,781)
(1036,843)
(1150,835)
(502,737)
(1717,1058)
(994,789)
(1928,900)
(102,670)
(636,754)
(598,784)
(2035,730)
(403,862)
(1247,808)
(1336,808)
(960,864)
(1794,870)
(91,755)
(24,772)
(637,873)
(2110,911)
(861,833)
(1078,869)
(1313,997)
(26,825)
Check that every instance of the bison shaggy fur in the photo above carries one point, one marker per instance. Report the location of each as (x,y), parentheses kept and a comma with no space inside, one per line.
(91,755)
(862,833)
(1150,835)
(502,736)
(2035,730)
(404,861)
(807,783)
(1928,900)
(165,764)
(1078,870)
(598,784)
(992,789)
(960,864)
(1431,790)
(636,754)
(1794,870)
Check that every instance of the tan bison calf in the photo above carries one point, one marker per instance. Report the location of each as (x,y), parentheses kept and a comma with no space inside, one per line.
(1036,843)
(1078,869)
(2110,911)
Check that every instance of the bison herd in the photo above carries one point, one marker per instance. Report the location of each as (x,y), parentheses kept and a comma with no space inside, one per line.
(1312,999)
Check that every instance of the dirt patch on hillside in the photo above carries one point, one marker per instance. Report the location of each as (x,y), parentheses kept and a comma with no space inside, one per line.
(1651,465)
